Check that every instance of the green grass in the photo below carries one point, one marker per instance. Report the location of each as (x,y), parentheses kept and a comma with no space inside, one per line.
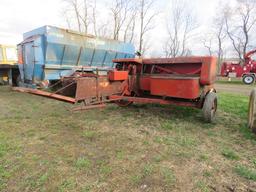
(229,154)
(254,162)
(233,81)
(45,147)
(236,105)
(120,155)
(4,175)
(168,176)
(83,163)
(67,185)
(86,188)
(168,125)
(207,174)
(148,169)
(135,179)
(43,179)
(105,170)
(88,134)
(202,186)
(246,172)
(203,157)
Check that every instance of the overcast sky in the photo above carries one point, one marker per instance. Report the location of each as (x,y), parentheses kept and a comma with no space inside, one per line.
(19,16)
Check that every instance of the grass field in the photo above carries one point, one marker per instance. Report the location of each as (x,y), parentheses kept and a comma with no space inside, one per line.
(45,147)
(236,81)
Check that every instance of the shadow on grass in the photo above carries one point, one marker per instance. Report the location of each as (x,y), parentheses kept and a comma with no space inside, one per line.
(167,113)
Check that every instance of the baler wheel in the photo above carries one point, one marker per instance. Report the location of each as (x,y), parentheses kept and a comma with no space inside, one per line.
(123,103)
(210,107)
(252,111)
(248,79)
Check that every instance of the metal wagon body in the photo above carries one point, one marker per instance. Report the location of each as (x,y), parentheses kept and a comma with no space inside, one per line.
(49,53)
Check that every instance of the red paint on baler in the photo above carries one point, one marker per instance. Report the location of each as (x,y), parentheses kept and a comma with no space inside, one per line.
(186,88)
(117,75)
(208,71)
(180,77)
(145,82)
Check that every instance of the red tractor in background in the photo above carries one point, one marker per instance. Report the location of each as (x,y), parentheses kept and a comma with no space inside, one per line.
(247,71)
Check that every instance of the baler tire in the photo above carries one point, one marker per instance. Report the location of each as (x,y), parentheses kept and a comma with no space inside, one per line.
(252,111)
(123,103)
(251,78)
(210,107)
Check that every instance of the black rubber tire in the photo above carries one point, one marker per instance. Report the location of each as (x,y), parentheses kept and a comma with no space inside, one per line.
(210,107)
(252,111)
(248,79)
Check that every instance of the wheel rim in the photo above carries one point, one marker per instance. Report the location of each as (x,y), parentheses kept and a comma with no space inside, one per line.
(248,79)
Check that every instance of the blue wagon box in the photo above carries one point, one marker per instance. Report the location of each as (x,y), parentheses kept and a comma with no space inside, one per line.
(49,53)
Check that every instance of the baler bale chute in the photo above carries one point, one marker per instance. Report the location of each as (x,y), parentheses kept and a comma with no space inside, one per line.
(184,81)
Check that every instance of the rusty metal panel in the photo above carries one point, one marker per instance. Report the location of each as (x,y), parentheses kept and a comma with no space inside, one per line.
(91,87)
(85,88)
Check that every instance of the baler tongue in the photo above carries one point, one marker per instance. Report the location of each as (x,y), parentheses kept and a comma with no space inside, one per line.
(45,94)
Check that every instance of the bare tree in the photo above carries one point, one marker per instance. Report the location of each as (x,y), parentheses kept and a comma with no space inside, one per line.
(180,26)
(239,24)
(94,18)
(85,16)
(219,32)
(123,14)
(65,14)
(116,11)
(129,31)
(207,42)
(74,4)
(146,18)
(220,37)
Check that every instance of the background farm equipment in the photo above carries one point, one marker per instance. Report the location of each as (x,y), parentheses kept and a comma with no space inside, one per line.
(49,53)
(8,64)
(247,71)
(185,81)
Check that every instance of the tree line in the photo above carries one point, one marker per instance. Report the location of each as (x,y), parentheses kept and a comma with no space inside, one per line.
(231,30)
(127,20)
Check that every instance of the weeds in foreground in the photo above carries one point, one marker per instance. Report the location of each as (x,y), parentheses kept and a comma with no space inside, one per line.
(229,154)
(246,172)
(83,163)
